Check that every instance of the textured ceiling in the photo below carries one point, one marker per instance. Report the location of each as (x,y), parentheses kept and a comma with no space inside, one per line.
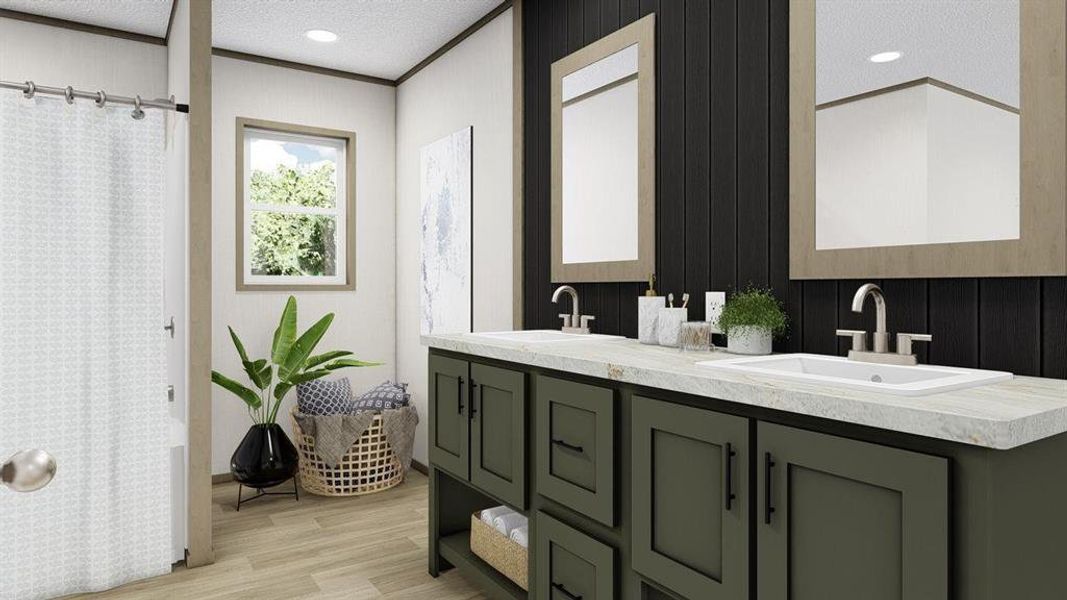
(972,44)
(139,16)
(383,38)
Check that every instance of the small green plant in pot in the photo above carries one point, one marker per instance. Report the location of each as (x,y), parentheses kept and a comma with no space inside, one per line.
(751,320)
(266,456)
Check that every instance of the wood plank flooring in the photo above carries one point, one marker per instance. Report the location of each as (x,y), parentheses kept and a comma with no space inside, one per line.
(276,548)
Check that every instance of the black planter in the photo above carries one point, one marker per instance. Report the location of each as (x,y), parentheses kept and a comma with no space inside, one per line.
(264,458)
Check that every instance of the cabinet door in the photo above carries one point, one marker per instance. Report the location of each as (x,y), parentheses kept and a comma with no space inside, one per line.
(690,499)
(449,426)
(841,519)
(498,432)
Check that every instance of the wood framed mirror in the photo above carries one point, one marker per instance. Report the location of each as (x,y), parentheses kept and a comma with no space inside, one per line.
(604,158)
(927,139)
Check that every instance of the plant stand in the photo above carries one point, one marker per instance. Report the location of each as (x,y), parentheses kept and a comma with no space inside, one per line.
(260,493)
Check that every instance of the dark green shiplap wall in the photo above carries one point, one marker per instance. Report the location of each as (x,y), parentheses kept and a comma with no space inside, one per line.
(723,198)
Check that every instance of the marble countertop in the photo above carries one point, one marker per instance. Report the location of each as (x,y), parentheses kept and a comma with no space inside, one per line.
(1001,416)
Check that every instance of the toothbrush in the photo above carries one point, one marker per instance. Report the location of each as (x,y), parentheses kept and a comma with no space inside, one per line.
(685,300)
(670,299)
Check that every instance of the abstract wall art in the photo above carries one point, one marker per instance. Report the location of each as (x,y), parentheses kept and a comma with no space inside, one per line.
(446,176)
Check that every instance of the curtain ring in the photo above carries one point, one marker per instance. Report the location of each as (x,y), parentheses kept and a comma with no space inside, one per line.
(137,113)
(101,99)
(31,89)
(69,94)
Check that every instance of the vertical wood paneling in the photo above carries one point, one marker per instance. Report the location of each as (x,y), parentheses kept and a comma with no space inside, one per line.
(1009,323)
(753,237)
(723,101)
(723,197)
(1054,327)
(670,103)
(953,315)
(907,301)
(697,250)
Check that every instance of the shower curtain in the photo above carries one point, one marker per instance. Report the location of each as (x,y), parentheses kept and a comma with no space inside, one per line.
(81,345)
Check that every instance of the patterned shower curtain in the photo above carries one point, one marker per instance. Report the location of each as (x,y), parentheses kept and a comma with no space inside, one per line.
(81,345)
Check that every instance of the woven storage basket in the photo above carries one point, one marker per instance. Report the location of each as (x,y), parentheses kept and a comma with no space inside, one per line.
(369,465)
(503,554)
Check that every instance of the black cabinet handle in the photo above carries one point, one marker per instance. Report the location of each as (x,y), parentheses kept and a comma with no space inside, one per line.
(730,496)
(459,389)
(559,588)
(768,464)
(570,447)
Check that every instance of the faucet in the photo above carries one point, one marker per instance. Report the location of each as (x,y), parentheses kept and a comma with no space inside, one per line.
(575,322)
(880,352)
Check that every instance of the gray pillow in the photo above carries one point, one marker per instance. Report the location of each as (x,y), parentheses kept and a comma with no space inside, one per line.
(322,397)
(385,396)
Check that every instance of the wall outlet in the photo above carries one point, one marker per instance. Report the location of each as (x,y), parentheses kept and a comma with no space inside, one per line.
(713,303)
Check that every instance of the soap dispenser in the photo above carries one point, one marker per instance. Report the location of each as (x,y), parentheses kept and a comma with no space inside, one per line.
(648,312)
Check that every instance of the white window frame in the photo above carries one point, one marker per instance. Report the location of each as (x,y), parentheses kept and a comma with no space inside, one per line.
(343,210)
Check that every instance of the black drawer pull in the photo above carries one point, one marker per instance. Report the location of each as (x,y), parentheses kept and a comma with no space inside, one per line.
(730,496)
(559,588)
(768,510)
(570,447)
(459,394)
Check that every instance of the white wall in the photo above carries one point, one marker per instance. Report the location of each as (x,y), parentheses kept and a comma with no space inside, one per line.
(366,317)
(471,84)
(61,57)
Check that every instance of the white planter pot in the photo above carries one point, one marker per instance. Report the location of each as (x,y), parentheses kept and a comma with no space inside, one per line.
(749,340)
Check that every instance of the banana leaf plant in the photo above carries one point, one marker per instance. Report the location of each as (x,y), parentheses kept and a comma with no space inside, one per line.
(291,362)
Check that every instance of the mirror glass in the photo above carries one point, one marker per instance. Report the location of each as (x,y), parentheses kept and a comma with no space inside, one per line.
(600,160)
(916,122)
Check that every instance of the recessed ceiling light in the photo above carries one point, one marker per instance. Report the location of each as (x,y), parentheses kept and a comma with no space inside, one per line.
(884,57)
(321,35)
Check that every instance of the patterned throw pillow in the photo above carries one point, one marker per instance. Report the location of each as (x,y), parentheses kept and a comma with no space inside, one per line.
(321,397)
(386,396)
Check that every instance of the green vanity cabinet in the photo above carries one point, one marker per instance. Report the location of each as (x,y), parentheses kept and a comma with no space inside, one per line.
(575,446)
(571,565)
(449,385)
(840,519)
(690,498)
(478,425)
(498,433)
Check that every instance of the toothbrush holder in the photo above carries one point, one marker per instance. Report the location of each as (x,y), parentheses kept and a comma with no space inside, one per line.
(669,325)
(648,308)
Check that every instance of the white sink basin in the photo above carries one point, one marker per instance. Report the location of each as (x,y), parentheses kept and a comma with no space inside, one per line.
(542,336)
(918,380)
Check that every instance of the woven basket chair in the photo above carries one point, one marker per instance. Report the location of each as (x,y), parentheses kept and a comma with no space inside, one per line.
(369,466)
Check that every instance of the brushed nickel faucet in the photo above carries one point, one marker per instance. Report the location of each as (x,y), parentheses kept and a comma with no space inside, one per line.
(880,352)
(575,322)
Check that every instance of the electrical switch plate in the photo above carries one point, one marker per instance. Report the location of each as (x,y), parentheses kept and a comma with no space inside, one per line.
(713,303)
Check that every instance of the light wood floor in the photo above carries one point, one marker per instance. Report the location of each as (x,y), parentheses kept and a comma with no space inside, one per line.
(364,547)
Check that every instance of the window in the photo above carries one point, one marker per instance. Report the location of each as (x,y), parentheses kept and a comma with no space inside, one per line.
(296,207)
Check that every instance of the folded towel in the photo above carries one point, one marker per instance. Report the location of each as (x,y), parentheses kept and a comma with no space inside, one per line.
(506,523)
(490,514)
(521,536)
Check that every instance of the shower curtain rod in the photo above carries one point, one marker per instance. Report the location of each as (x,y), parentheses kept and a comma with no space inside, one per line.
(29,88)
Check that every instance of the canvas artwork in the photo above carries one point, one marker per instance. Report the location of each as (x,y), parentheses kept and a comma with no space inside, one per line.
(445,189)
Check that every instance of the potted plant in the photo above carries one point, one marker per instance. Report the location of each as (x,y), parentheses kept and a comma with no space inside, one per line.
(751,320)
(266,457)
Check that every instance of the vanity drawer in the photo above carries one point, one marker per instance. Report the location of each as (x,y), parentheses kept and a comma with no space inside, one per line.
(575,446)
(570,564)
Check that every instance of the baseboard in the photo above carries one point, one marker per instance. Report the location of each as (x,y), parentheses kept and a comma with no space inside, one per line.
(421,468)
(221,478)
